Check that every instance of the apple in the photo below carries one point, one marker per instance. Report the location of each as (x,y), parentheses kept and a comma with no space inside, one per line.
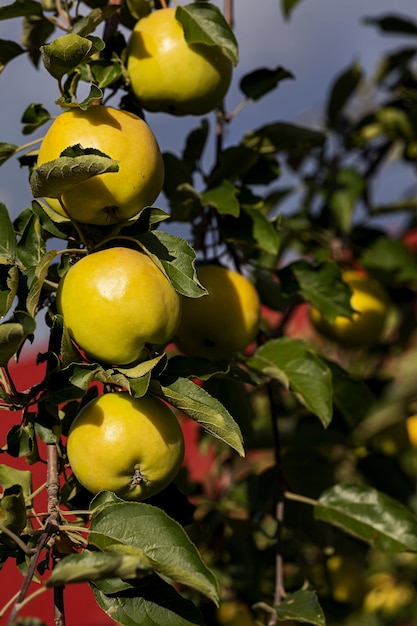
(133,447)
(107,198)
(222,323)
(169,75)
(116,301)
(372,305)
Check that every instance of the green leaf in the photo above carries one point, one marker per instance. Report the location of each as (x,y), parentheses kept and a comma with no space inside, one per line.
(52,179)
(390,260)
(302,606)
(261,81)
(13,334)
(33,117)
(176,258)
(87,24)
(224,198)
(89,566)
(149,531)
(150,604)
(370,515)
(7,150)
(40,273)
(194,145)
(9,50)
(31,246)
(292,363)
(204,409)
(204,23)
(8,243)
(10,476)
(12,510)
(322,285)
(392,23)
(20,8)
(284,136)
(343,194)
(341,91)
(352,397)
(252,228)
(288,6)
(66,52)
(9,284)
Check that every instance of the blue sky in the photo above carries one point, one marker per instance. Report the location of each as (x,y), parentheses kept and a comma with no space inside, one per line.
(321,38)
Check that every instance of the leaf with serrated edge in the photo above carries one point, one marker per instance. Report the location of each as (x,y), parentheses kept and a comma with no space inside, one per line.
(151,604)
(158,536)
(292,363)
(370,515)
(52,179)
(88,566)
(176,258)
(206,410)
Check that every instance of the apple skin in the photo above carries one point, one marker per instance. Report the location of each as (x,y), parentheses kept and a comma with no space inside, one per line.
(133,447)
(169,75)
(372,305)
(107,198)
(225,321)
(116,301)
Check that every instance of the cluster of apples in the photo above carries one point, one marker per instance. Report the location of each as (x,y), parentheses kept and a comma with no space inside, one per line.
(117,303)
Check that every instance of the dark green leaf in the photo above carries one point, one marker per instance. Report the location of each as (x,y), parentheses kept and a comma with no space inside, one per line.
(195,144)
(8,243)
(177,259)
(321,285)
(390,259)
(292,363)
(31,247)
(151,604)
(20,8)
(9,284)
(251,228)
(369,515)
(7,150)
(300,606)
(86,25)
(288,6)
(352,397)
(392,23)
(13,510)
(341,91)
(33,117)
(13,334)
(9,50)
(204,23)
(204,409)
(260,82)
(284,136)
(343,195)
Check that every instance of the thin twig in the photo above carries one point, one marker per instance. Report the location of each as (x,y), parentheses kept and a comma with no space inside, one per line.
(43,538)
(279,508)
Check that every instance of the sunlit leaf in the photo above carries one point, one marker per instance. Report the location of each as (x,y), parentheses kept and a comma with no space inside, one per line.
(370,515)
(204,23)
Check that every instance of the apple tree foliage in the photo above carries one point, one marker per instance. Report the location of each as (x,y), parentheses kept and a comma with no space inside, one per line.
(308,511)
